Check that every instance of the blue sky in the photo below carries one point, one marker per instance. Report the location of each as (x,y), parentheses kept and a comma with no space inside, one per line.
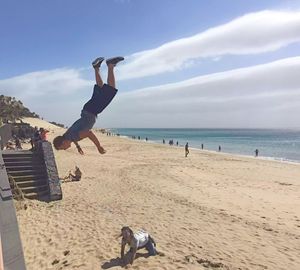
(46,48)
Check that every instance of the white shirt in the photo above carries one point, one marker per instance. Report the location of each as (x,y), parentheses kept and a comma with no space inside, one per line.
(140,239)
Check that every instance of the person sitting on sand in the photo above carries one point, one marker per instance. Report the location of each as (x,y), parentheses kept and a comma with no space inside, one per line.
(138,240)
(102,96)
(73,176)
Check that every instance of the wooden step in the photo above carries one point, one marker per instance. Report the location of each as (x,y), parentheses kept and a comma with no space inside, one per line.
(35,195)
(24,168)
(27,172)
(37,189)
(23,163)
(35,177)
(32,183)
(19,156)
(16,152)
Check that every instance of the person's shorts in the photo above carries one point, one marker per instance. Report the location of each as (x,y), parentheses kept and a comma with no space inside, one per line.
(101,97)
(87,120)
(84,123)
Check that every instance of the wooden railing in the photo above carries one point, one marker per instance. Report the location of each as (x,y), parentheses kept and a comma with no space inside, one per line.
(1,255)
(11,251)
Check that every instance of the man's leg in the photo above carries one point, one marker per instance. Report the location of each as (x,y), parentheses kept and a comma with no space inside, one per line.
(96,65)
(111,76)
(150,248)
(98,77)
(111,63)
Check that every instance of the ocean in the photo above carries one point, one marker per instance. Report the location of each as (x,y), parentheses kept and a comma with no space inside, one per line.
(278,144)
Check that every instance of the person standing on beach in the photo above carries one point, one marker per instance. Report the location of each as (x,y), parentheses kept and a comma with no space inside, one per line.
(202,146)
(219,148)
(102,96)
(186,149)
(256,152)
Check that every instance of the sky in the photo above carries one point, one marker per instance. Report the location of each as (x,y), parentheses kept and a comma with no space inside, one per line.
(188,64)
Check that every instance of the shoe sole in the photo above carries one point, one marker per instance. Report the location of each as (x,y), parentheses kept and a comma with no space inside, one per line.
(97,62)
(114,60)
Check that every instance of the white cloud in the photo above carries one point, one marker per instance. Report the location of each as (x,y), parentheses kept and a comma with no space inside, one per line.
(53,94)
(43,83)
(253,33)
(261,96)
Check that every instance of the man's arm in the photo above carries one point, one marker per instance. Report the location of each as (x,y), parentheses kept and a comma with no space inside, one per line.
(133,254)
(89,134)
(79,148)
(122,249)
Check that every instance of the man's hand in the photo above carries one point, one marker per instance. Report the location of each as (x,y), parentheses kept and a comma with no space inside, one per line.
(79,148)
(89,134)
(101,150)
(80,151)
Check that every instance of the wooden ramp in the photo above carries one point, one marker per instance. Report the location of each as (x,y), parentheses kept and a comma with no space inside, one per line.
(12,252)
(29,172)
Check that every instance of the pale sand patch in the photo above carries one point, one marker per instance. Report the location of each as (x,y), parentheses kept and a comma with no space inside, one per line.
(36,122)
(202,210)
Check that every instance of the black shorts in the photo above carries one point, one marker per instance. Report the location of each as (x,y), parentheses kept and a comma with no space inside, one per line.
(101,97)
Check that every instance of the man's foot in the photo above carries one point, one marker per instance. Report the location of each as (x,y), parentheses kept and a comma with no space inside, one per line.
(97,62)
(114,60)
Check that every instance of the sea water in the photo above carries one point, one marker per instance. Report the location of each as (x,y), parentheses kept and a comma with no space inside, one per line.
(279,144)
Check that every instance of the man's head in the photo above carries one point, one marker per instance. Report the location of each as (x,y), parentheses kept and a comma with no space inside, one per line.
(126,233)
(60,143)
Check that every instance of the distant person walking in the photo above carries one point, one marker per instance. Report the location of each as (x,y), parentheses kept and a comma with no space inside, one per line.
(256,152)
(202,146)
(219,148)
(186,149)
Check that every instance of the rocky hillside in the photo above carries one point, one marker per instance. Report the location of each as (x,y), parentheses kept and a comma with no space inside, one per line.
(12,109)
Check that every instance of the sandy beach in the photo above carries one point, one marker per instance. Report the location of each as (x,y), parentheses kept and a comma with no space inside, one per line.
(206,211)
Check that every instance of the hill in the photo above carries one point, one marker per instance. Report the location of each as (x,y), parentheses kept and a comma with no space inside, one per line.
(12,109)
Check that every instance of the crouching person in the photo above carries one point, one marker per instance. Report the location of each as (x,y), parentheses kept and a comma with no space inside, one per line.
(138,240)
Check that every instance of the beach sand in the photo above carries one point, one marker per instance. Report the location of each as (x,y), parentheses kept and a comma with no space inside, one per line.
(206,211)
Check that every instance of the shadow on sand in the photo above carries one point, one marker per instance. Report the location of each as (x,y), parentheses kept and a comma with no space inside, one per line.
(118,262)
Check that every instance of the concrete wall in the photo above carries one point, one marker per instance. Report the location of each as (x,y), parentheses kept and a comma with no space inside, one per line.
(53,178)
(12,251)
(5,135)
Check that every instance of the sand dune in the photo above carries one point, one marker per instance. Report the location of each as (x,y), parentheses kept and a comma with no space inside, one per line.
(36,122)
(207,211)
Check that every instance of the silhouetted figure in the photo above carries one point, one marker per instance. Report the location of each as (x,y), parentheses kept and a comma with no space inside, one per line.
(219,148)
(18,143)
(177,143)
(256,152)
(146,139)
(186,149)
(202,146)
(34,140)
(164,141)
